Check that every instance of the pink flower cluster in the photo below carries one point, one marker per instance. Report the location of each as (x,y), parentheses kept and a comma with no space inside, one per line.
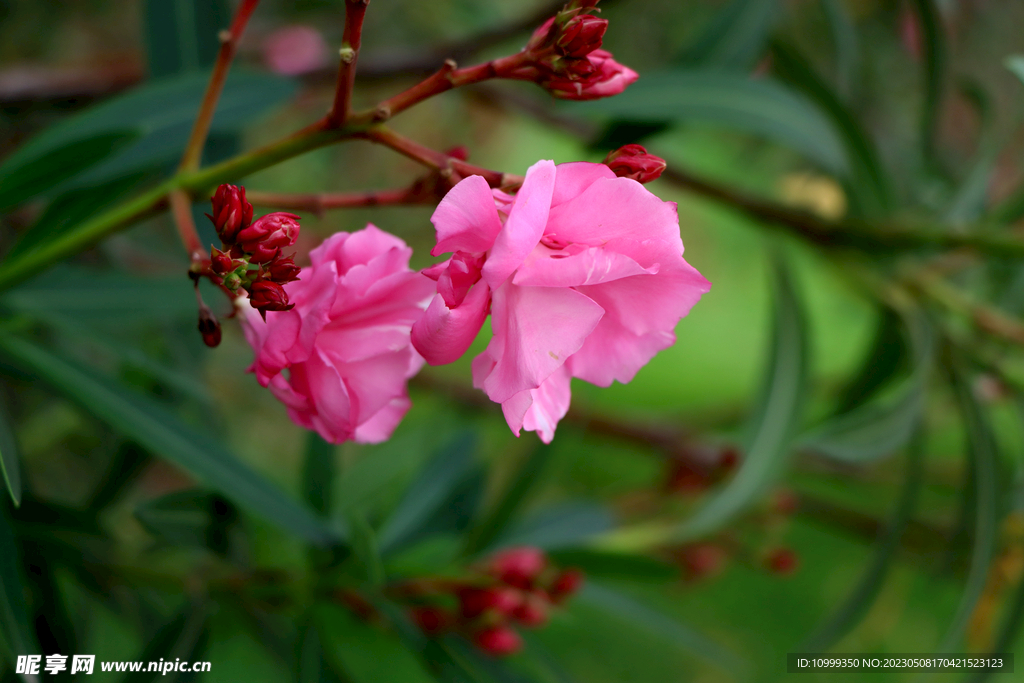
(581,272)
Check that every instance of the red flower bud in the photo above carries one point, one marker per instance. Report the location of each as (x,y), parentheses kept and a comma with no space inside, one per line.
(268,296)
(581,35)
(565,584)
(209,327)
(532,611)
(785,502)
(782,561)
(498,641)
(231,212)
(589,78)
(222,263)
(518,567)
(633,161)
(271,231)
(282,269)
(475,601)
(702,560)
(262,253)
(431,620)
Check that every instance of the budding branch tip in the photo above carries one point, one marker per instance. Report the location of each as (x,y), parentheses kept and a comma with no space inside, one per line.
(348,55)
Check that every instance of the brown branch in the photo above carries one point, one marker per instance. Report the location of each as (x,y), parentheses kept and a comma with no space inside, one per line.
(181,210)
(318,203)
(228,46)
(355,10)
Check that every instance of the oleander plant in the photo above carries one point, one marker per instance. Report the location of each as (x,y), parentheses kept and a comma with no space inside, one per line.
(356,342)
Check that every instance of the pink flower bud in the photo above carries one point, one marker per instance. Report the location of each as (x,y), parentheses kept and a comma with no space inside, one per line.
(565,584)
(591,78)
(476,601)
(209,327)
(633,161)
(231,212)
(518,567)
(581,35)
(271,231)
(498,641)
(268,296)
(282,269)
(532,611)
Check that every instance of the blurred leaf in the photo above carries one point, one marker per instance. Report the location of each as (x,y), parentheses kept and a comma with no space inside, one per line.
(16,631)
(482,667)
(1006,636)
(431,491)
(776,418)
(659,625)
(844,37)
(365,548)
(888,352)
(9,467)
(971,198)
(181,35)
(984,463)
(318,473)
(128,463)
(37,174)
(559,526)
(852,610)
(163,111)
(144,421)
(879,428)
(762,107)
(191,518)
(869,183)
(183,637)
(312,668)
(103,295)
(364,653)
(736,36)
(612,565)
(510,502)
(1015,63)
(933,40)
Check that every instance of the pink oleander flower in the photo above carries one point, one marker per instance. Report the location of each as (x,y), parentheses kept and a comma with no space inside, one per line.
(582,273)
(340,359)
(595,76)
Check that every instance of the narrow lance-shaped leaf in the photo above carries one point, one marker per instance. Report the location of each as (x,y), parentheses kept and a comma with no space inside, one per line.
(365,547)
(859,600)
(773,425)
(934,69)
(9,467)
(984,462)
(844,37)
(736,36)
(318,473)
(144,421)
(15,628)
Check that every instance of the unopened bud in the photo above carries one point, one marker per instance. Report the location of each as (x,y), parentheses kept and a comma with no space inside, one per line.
(231,212)
(518,567)
(431,620)
(209,327)
(581,35)
(532,611)
(498,641)
(565,584)
(476,601)
(271,231)
(782,561)
(282,269)
(222,263)
(268,296)
(633,161)
(702,560)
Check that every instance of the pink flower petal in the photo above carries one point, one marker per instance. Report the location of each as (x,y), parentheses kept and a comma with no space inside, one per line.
(525,225)
(535,330)
(557,268)
(466,219)
(379,428)
(443,334)
(573,178)
(550,404)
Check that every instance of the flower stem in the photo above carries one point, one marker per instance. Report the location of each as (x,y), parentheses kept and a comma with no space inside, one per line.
(181,210)
(228,47)
(318,203)
(446,165)
(355,10)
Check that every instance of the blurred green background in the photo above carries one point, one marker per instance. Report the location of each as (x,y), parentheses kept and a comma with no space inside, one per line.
(880,111)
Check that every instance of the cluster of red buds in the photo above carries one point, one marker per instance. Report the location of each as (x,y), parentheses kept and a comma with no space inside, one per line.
(516,587)
(245,243)
(564,56)
(633,161)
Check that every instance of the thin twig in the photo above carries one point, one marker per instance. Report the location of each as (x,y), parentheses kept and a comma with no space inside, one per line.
(318,203)
(447,166)
(355,10)
(228,46)
(181,210)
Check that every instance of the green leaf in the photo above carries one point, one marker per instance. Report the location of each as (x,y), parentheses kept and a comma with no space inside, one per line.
(139,418)
(163,112)
(16,632)
(888,353)
(879,428)
(183,637)
(620,566)
(511,501)
(181,35)
(869,184)
(844,36)
(431,491)
(9,466)
(984,463)
(736,37)
(47,170)
(659,625)
(1015,63)
(933,40)
(318,473)
(856,605)
(364,653)
(761,107)
(564,525)
(365,548)
(775,420)
(190,518)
